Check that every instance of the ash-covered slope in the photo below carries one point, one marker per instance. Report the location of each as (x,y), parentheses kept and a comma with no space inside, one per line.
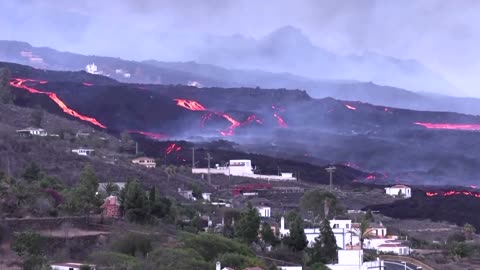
(409,146)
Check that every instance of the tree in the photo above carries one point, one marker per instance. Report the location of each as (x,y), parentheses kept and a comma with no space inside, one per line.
(37,117)
(325,247)
(267,234)
(296,240)
(247,227)
(136,204)
(369,216)
(469,231)
(197,223)
(170,171)
(112,189)
(32,173)
(28,245)
(322,204)
(6,95)
(363,231)
(86,192)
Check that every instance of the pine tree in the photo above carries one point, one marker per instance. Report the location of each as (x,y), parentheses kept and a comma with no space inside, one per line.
(267,234)
(85,195)
(325,247)
(136,204)
(6,95)
(32,173)
(247,227)
(296,240)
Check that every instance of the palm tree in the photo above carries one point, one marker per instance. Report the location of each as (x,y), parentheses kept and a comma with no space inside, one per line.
(363,232)
(469,231)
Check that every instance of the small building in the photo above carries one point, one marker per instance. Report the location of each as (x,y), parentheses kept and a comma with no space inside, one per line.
(395,247)
(353,259)
(206,196)
(70,266)
(399,191)
(82,134)
(264,211)
(30,131)
(290,267)
(240,167)
(187,194)
(145,161)
(111,207)
(84,151)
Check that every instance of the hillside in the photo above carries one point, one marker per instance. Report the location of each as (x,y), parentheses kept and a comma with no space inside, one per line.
(286,123)
(207,75)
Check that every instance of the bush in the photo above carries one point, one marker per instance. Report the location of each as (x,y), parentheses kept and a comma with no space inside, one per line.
(237,261)
(210,246)
(133,245)
(115,260)
(170,258)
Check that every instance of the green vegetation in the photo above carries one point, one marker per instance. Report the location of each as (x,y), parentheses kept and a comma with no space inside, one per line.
(324,250)
(28,246)
(321,203)
(296,240)
(247,227)
(6,95)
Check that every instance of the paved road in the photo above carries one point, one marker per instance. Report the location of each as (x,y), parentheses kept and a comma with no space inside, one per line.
(393,265)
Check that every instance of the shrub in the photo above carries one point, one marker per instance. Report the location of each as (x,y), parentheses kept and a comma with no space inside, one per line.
(133,245)
(117,261)
(210,246)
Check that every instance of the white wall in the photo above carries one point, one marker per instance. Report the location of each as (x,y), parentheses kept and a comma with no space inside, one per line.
(240,167)
(290,268)
(264,211)
(406,191)
(401,250)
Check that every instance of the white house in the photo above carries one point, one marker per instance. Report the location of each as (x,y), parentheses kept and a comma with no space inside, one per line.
(353,259)
(83,151)
(395,247)
(264,211)
(342,229)
(70,266)
(206,196)
(145,161)
(243,168)
(290,267)
(30,131)
(401,191)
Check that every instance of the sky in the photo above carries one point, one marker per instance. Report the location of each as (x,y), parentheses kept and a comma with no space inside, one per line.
(442,34)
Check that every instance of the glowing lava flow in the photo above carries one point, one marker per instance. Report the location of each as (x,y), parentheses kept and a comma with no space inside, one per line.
(280,120)
(471,127)
(87,84)
(20,83)
(149,134)
(195,106)
(453,193)
(172,147)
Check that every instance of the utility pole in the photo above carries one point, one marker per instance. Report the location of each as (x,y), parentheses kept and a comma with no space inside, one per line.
(209,157)
(331,169)
(193,157)
(136,148)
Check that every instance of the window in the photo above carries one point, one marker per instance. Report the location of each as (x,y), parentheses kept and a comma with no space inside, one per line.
(335,226)
(348,226)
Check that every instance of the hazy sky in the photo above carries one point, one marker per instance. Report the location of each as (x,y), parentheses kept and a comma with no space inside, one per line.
(442,34)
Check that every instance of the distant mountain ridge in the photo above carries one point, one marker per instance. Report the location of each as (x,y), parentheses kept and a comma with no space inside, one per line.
(289,50)
(193,73)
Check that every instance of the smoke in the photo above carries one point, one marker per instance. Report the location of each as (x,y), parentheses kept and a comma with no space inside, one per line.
(443,35)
